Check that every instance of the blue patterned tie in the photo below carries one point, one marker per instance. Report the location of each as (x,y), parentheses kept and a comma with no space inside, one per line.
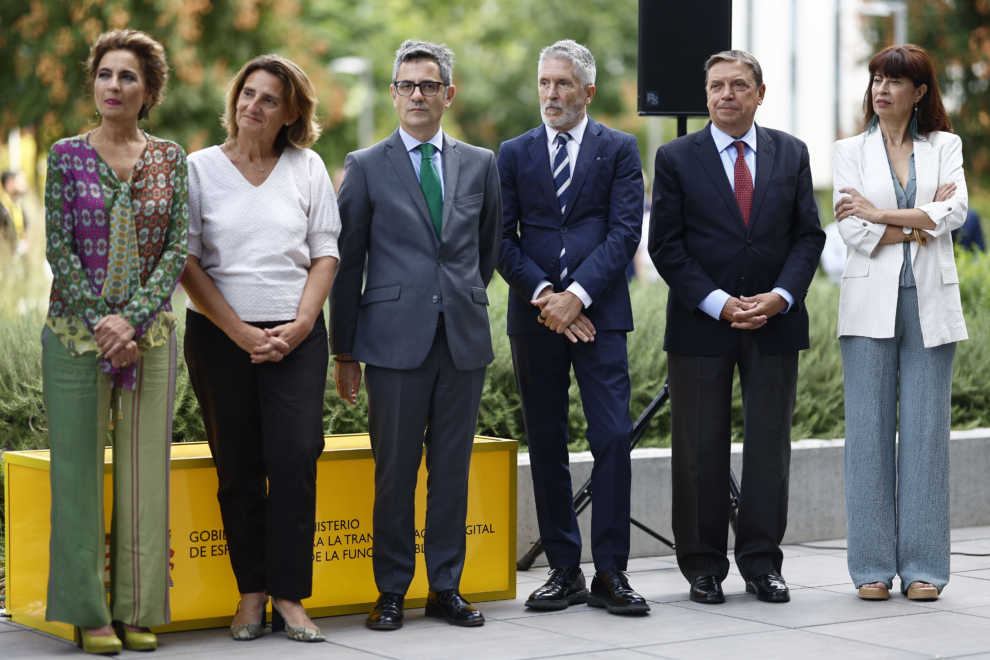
(562,182)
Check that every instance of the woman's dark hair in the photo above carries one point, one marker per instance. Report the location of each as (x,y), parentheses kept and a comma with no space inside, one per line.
(151,54)
(913,63)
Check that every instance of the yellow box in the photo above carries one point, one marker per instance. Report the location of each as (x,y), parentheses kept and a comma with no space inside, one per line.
(204,593)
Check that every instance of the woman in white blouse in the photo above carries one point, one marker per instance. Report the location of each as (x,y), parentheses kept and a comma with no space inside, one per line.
(899,192)
(262,253)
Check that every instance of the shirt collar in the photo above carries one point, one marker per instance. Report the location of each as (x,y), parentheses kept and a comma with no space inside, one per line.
(723,140)
(411,143)
(576,133)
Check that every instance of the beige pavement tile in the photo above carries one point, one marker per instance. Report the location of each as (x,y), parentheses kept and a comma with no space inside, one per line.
(943,634)
(662,625)
(496,640)
(777,645)
(808,607)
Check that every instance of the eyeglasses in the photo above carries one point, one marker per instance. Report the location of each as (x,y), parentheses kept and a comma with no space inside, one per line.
(407,87)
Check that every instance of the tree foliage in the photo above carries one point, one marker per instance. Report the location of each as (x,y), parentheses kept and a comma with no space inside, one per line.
(957,35)
(496,45)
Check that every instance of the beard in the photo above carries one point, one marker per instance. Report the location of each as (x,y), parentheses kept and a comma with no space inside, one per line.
(569,114)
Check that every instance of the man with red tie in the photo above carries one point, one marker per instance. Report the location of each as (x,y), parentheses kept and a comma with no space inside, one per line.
(734,231)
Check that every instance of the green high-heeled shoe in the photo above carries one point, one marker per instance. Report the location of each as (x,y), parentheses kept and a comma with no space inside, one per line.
(296,633)
(99,645)
(135,641)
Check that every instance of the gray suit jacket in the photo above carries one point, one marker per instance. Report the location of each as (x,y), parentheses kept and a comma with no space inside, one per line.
(385,219)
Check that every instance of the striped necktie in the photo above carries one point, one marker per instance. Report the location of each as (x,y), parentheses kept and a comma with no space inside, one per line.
(562,182)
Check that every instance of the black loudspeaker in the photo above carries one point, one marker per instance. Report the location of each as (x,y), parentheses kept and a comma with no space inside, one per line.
(676,37)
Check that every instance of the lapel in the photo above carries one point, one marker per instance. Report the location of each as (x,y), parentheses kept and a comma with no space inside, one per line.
(878,187)
(586,156)
(399,157)
(451,168)
(765,152)
(540,155)
(707,153)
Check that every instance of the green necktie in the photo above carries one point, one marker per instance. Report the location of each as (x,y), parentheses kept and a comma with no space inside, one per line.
(429,181)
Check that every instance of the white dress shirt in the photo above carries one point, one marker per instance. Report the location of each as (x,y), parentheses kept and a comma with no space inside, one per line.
(715,301)
(573,149)
(416,156)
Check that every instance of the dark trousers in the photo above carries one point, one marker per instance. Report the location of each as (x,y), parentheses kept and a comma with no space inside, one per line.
(435,404)
(264,424)
(543,374)
(701,420)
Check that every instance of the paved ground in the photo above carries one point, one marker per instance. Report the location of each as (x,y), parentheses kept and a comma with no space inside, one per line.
(823,620)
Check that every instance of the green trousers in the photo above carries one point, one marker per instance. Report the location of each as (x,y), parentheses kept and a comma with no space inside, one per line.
(81,403)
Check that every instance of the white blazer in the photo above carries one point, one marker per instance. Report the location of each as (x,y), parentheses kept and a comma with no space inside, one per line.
(870,281)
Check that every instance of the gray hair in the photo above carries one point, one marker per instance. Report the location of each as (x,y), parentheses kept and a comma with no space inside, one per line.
(416,50)
(573,52)
(736,56)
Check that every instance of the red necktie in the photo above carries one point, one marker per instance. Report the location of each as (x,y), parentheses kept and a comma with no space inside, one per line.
(744,183)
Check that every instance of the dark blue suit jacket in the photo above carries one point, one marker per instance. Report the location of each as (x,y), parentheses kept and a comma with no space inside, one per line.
(601,228)
(699,243)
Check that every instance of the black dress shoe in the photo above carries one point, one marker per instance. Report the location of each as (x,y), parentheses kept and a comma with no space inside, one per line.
(610,589)
(449,604)
(769,588)
(707,589)
(566,586)
(387,612)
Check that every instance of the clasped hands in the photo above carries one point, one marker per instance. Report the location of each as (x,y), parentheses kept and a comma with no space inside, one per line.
(561,312)
(752,312)
(115,338)
(271,344)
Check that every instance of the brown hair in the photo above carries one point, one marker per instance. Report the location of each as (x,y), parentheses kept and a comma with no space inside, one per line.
(300,97)
(911,62)
(151,54)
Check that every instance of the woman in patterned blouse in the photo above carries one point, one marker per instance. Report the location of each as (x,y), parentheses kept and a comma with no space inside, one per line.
(116,218)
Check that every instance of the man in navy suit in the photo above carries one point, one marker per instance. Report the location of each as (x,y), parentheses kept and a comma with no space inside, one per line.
(734,231)
(572,199)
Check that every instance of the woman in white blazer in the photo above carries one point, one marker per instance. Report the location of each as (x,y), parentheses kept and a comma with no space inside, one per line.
(899,192)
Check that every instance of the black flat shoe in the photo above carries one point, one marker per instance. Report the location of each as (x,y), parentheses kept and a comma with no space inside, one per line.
(707,589)
(769,588)
(565,587)
(449,604)
(387,612)
(610,589)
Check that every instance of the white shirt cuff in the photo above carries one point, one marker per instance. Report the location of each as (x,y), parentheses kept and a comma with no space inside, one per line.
(713,303)
(786,296)
(579,291)
(539,287)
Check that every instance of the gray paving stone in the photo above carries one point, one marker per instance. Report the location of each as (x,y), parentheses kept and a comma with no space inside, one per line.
(812,570)
(336,627)
(617,654)
(31,644)
(664,624)
(983,611)
(983,574)
(777,645)
(496,640)
(944,634)
(966,533)
(808,607)
(7,626)
(965,563)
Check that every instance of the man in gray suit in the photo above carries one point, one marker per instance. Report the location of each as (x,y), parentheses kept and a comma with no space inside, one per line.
(425,211)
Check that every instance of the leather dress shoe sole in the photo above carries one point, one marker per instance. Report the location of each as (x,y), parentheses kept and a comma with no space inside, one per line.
(436,612)
(617,608)
(393,624)
(778,597)
(708,599)
(561,604)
